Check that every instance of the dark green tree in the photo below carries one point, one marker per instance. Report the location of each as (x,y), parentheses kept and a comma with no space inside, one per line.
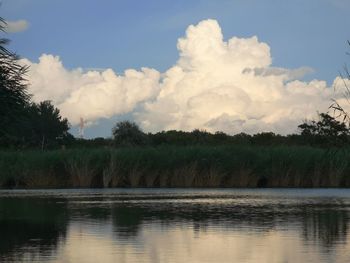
(327,130)
(14,97)
(48,128)
(126,133)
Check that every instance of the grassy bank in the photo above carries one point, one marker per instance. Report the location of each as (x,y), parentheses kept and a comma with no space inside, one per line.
(177,166)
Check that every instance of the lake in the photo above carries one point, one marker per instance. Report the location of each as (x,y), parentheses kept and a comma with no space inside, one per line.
(175,225)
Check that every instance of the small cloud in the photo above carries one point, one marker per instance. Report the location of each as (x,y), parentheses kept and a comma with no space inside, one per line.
(95,69)
(291,74)
(16,26)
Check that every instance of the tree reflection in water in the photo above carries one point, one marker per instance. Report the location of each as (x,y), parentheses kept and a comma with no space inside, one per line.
(327,227)
(34,227)
(31,227)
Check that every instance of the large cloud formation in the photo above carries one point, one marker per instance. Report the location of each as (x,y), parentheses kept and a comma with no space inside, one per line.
(215,85)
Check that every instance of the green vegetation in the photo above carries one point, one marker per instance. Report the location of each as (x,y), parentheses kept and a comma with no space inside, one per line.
(177,166)
(127,133)
(327,132)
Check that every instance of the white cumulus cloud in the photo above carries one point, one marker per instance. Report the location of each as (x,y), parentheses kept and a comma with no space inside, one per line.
(16,26)
(215,85)
(231,86)
(92,94)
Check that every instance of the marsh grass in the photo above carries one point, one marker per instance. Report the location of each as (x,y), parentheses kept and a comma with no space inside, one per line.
(18,169)
(177,166)
(111,173)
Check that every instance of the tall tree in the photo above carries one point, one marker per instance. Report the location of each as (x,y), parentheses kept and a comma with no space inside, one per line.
(128,133)
(47,125)
(14,97)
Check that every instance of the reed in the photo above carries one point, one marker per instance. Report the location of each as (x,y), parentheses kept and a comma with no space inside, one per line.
(111,175)
(177,166)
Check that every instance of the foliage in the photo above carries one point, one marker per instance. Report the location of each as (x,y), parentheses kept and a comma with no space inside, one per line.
(128,133)
(330,134)
(325,131)
(177,166)
(47,125)
(14,96)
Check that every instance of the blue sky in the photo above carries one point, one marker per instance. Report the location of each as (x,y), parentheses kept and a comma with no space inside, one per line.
(132,34)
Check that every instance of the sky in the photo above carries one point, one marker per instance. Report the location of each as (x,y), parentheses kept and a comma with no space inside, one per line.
(234,66)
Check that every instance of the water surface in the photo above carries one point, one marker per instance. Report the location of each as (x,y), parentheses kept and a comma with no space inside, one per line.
(175,225)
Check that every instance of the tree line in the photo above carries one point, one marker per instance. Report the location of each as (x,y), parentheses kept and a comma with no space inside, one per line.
(326,132)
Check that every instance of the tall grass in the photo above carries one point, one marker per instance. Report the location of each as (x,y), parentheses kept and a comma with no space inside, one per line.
(177,166)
